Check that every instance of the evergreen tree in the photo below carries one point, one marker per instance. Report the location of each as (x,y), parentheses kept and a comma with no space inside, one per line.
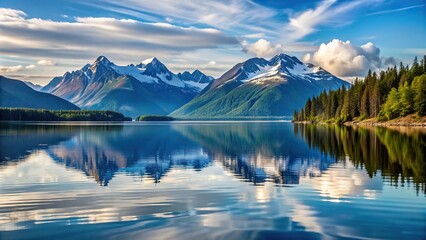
(391,93)
(407,99)
(392,106)
(419,89)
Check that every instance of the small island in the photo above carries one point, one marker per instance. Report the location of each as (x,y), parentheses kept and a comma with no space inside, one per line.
(29,114)
(154,118)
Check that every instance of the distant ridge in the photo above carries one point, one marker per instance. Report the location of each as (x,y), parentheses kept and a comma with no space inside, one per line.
(196,78)
(17,94)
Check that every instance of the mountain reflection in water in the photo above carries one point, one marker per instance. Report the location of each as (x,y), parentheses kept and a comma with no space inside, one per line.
(254,152)
(226,180)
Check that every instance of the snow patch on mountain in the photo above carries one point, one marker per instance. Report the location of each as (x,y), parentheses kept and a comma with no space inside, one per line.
(174,80)
(281,66)
(258,73)
(196,79)
(197,84)
(134,72)
(148,60)
(150,71)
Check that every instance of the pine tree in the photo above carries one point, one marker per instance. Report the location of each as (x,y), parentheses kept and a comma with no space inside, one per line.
(407,99)
(365,103)
(419,88)
(392,106)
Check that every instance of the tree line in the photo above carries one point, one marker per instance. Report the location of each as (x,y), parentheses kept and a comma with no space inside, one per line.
(154,118)
(394,92)
(27,114)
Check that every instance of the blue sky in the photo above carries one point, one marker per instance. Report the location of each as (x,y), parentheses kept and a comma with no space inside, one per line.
(42,39)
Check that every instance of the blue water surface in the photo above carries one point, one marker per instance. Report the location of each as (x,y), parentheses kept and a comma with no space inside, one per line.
(211,180)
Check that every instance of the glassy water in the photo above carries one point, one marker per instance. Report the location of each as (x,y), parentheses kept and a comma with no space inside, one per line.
(211,180)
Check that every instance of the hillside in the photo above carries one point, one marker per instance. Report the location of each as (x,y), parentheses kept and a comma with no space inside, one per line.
(258,87)
(17,94)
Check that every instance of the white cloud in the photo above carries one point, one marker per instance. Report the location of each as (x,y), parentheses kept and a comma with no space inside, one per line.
(46,62)
(30,66)
(395,10)
(254,35)
(86,38)
(213,62)
(10,69)
(347,60)
(303,23)
(244,17)
(261,48)
(239,15)
(326,13)
(8,14)
(14,69)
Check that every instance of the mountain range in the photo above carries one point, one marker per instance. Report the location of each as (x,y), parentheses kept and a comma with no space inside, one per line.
(196,78)
(256,87)
(145,88)
(17,94)
(260,87)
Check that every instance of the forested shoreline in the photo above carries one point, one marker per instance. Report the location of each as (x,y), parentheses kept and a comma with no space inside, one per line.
(27,114)
(395,92)
(154,118)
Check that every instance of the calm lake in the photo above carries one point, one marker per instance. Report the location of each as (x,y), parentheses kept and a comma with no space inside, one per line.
(211,180)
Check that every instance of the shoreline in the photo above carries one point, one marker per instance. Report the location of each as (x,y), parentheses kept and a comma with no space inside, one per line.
(411,120)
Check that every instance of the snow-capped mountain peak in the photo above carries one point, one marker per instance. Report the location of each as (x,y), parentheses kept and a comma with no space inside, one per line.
(254,65)
(286,62)
(154,67)
(153,61)
(146,88)
(149,60)
(280,68)
(102,60)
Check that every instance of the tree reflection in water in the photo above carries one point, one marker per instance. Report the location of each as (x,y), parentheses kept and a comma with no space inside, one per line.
(254,152)
(399,154)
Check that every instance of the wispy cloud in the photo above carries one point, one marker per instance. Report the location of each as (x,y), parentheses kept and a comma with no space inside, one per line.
(80,40)
(46,62)
(238,15)
(31,66)
(14,69)
(329,13)
(395,10)
(244,18)
(88,37)
(10,69)
(254,35)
